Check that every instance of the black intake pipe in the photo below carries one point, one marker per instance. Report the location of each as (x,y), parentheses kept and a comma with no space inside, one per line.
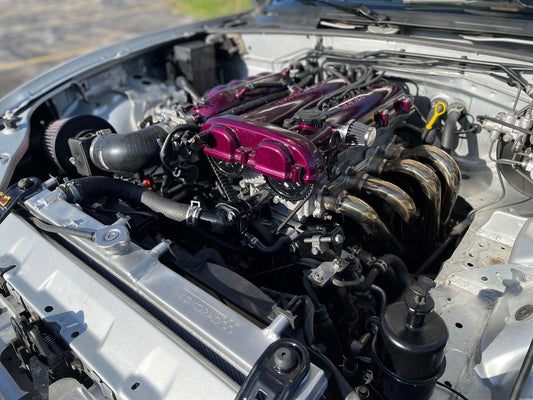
(131,152)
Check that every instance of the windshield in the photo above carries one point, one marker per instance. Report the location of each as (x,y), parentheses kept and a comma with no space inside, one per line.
(511,8)
(493,20)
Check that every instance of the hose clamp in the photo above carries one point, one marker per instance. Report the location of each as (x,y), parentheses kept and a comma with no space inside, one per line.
(380,264)
(193,213)
(71,191)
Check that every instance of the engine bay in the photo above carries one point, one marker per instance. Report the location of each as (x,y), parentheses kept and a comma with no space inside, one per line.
(327,188)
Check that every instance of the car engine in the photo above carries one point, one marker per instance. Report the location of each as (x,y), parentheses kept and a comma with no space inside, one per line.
(287,216)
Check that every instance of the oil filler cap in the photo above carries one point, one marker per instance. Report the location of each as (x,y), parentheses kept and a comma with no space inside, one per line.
(312,117)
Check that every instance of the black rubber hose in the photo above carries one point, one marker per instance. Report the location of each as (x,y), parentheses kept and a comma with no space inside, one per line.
(323,322)
(397,265)
(240,109)
(263,231)
(277,246)
(434,257)
(131,152)
(309,290)
(309,321)
(449,131)
(456,231)
(383,298)
(344,388)
(62,230)
(81,189)
(521,379)
(128,152)
(360,285)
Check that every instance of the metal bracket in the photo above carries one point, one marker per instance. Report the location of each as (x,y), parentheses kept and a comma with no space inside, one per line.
(322,274)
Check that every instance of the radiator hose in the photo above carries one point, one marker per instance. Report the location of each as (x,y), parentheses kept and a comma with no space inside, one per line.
(78,190)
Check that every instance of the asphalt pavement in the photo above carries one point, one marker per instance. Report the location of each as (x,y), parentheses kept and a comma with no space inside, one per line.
(36,35)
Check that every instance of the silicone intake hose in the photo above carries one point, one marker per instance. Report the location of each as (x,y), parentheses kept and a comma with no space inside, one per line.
(131,152)
(81,189)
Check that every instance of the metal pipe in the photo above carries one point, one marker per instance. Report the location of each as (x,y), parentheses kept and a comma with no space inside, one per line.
(448,172)
(394,196)
(429,184)
(362,213)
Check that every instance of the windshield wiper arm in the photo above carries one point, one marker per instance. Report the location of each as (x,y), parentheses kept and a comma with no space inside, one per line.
(360,10)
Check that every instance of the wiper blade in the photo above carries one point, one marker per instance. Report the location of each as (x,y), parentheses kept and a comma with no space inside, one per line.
(361,10)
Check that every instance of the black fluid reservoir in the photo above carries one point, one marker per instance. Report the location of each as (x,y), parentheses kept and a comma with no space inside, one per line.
(409,347)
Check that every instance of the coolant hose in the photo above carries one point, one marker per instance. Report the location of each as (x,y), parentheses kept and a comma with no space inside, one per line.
(324,325)
(397,265)
(277,246)
(81,189)
(388,264)
(131,152)
(360,285)
(344,388)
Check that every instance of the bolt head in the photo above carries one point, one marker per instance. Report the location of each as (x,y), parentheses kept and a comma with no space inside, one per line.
(338,238)
(318,276)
